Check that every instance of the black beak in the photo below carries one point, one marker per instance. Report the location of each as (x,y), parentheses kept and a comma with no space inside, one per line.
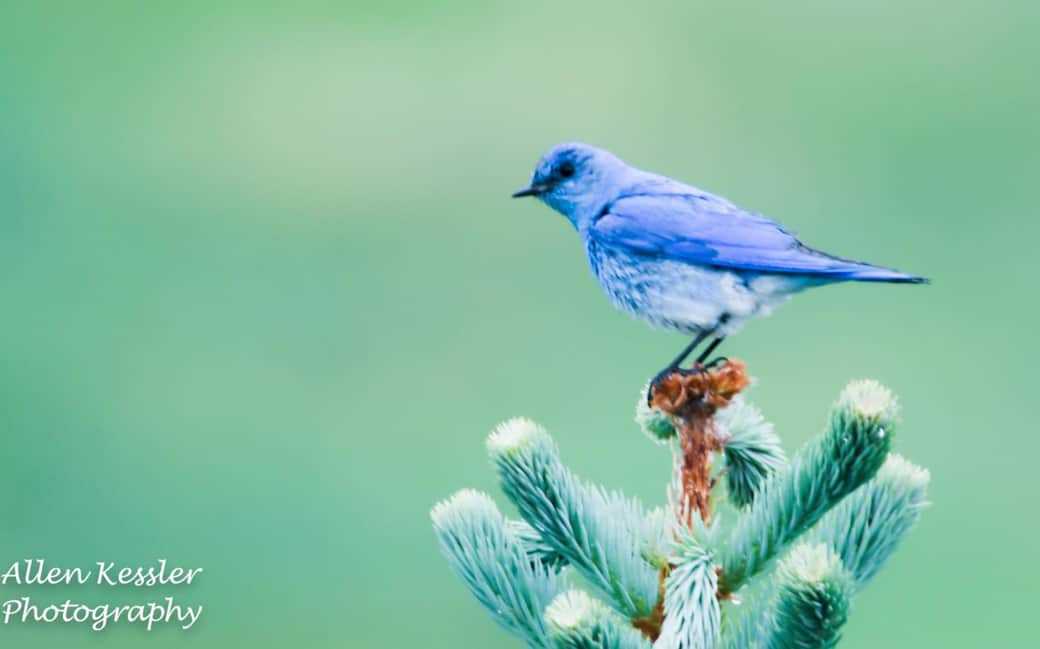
(533,190)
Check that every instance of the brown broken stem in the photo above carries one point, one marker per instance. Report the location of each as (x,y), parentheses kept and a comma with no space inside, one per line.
(692,398)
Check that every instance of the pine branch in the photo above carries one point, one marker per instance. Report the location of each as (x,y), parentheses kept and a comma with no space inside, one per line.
(576,621)
(659,527)
(536,547)
(812,604)
(751,449)
(849,453)
(663,588)
(604,536)
(491,560)
(692,615)
(868,526)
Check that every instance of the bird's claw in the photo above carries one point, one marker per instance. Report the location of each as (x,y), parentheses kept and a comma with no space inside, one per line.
(668,371)
(716,362)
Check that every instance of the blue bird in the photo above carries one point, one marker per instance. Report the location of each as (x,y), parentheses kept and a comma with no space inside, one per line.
(678,257)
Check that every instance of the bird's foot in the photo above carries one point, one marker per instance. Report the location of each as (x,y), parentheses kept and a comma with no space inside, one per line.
(718,361)
(668,371)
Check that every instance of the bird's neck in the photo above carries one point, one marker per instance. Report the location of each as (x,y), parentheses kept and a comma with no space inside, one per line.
(583,211)
(585,215)
(582,205)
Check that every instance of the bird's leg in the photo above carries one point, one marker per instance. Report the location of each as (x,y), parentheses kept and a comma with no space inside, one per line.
(707,352)
(698,365)
(677,361)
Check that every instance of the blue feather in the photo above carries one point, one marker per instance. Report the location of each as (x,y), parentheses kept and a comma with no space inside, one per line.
(698,228)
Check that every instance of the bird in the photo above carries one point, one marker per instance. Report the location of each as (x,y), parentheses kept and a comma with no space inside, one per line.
(681,258)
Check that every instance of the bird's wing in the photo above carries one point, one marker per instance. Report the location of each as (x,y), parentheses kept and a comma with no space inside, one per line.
(701,229)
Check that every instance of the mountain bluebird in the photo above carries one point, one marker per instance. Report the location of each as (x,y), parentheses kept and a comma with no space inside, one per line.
(678,257)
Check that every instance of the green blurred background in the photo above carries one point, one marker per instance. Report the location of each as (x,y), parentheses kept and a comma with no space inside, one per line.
(264,292)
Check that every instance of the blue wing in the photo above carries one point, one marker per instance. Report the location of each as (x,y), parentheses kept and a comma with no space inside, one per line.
(701,229)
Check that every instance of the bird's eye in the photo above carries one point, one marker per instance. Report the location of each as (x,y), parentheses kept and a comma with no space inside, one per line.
(566,169)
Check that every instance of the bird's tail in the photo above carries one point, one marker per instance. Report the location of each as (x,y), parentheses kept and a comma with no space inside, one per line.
(861,271)
(868,273)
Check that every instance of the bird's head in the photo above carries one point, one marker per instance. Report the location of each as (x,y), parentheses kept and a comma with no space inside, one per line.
(576,180)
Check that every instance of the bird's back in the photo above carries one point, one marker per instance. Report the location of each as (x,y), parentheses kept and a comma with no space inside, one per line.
(657,217)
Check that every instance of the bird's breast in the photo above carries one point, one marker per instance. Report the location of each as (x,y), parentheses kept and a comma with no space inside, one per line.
(679,296)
